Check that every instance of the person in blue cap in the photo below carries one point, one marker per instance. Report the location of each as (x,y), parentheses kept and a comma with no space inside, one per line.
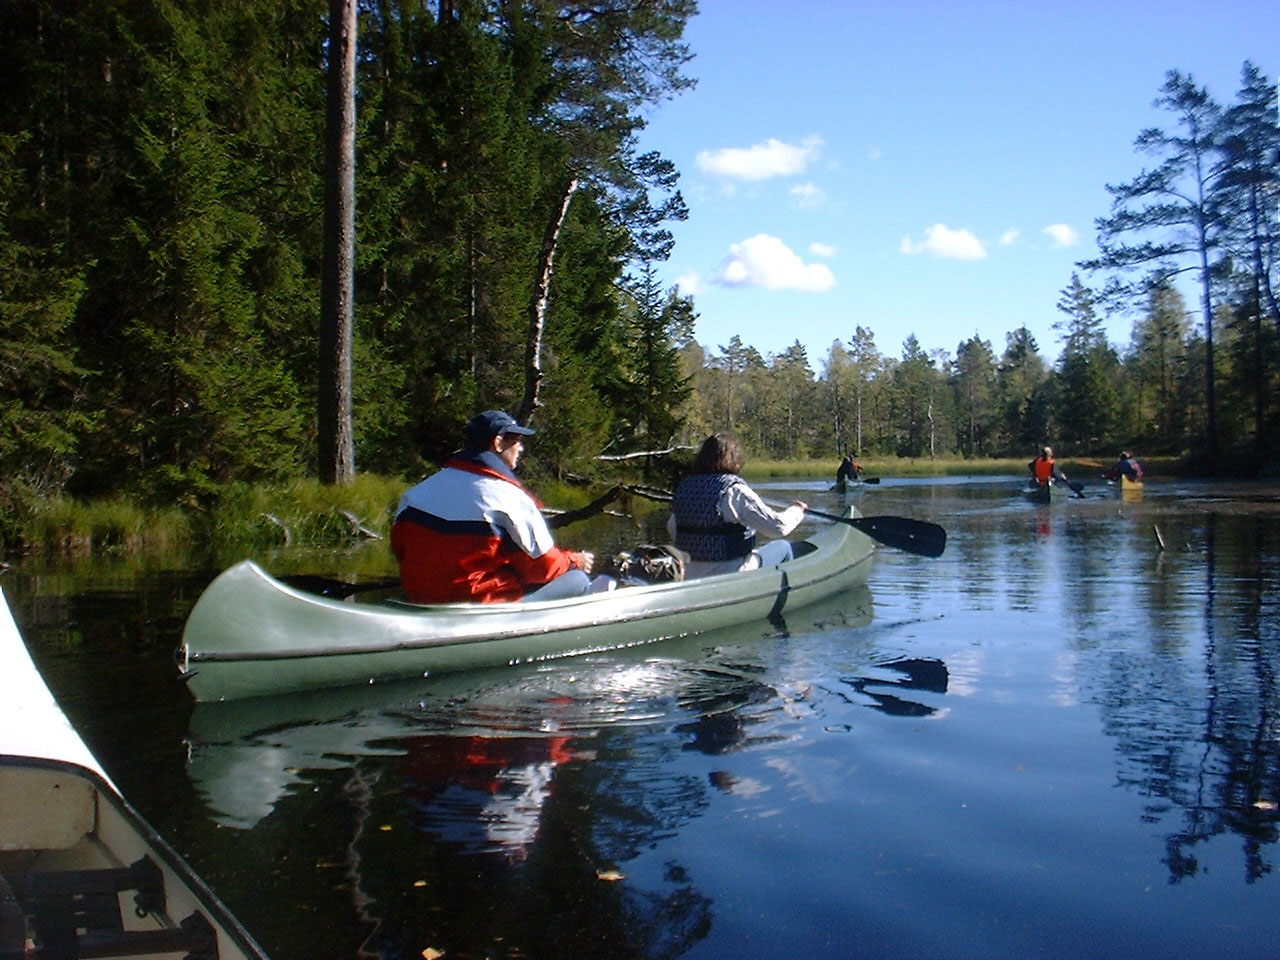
(473,532)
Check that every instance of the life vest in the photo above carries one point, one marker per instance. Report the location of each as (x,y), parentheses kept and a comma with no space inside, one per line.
(473,532)
(700,530)
(1042,470)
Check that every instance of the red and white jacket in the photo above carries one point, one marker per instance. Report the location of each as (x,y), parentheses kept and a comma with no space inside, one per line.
(473,532)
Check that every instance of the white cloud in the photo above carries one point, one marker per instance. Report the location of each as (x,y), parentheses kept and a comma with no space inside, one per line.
(874,153)
(822,249)
(773,158)
(766,262)
(690,283)
(808,196)
(942,241)
(1062,235)
(1009,236)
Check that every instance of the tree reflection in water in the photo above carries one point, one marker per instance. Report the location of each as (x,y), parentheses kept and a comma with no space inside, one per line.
(1207,742)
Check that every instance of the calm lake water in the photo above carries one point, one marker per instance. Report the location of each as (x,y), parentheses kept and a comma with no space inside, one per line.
(1057,740)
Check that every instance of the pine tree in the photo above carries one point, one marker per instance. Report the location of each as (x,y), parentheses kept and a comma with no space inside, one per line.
(1250,209)
(1020,382)
(1088,402)
(41,416)
(1177,202)
(974,384)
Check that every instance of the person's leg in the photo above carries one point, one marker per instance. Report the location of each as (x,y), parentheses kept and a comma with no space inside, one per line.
(774,552)
(572,583)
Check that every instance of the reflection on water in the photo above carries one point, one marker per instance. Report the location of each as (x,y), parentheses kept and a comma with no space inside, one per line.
(1056,740)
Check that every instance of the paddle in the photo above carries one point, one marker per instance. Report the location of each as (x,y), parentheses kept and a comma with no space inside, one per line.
(337,589)
(913,536)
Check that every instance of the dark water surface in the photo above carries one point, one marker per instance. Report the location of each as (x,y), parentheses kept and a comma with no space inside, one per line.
(1057,740)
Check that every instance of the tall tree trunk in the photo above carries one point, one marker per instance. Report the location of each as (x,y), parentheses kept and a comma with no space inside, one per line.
(334,430)
(538,305)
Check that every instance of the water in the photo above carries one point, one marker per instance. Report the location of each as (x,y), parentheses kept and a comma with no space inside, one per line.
(1056,740)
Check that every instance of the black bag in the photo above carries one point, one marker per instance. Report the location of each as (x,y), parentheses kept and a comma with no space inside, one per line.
(647,563)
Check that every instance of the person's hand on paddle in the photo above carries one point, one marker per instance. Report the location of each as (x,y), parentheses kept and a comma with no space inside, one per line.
(585,560)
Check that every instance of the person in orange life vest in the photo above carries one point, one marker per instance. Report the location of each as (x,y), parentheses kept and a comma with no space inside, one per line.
(471,531)
(1043,469)
(715,515)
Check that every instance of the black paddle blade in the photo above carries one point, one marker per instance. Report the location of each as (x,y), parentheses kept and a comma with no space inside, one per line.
(913,536)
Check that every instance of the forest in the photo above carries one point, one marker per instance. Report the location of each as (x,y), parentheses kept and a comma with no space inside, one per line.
(162,211)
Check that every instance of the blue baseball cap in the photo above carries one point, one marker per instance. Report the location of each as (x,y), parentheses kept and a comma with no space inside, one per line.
(483,427)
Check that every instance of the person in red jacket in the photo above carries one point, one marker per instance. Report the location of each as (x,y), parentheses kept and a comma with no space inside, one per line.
(472,532)
(1043,469)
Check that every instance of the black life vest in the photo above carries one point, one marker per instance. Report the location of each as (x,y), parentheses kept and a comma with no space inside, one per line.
(700,529)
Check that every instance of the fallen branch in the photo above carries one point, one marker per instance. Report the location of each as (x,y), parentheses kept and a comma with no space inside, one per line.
(359,529)
(272,518)
(614,457)
(649,493)
(596,506)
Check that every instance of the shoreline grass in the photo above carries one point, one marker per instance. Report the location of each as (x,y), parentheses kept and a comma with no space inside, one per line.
(309,513)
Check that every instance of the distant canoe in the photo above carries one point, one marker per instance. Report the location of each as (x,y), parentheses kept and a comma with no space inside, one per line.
(1127,486)
(1050,492)
(844,486)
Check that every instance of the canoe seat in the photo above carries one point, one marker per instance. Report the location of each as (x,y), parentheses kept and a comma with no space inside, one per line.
(44,809)
(76,913)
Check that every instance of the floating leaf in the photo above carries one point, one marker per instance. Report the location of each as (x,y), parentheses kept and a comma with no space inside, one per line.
(611,875)
(431,953)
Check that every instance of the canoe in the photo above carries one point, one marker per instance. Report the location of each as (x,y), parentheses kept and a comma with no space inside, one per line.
(81,872)
(1127,486)
(1050,492)
(250,634)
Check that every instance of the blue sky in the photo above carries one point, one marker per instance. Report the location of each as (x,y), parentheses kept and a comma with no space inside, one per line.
(926,168)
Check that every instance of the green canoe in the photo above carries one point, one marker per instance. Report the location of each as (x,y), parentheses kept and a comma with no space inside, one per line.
(1050,492)
(249,634)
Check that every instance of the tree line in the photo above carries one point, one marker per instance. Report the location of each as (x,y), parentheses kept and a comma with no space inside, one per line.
(1199,383)
(161,234)
(161,253)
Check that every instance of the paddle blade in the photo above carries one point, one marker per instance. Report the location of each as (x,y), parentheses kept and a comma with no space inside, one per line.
(870,479)
(913,536)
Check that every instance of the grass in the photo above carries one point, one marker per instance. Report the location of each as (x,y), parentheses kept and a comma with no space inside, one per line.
(309,513)
(69,526)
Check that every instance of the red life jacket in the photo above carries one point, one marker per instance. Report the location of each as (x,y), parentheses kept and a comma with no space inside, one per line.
(1042,469)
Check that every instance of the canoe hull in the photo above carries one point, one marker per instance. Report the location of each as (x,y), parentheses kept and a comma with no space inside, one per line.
(1046,493)
(250,635)
(66,834)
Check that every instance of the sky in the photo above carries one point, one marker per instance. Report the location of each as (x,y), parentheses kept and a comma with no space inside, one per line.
(920,168)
